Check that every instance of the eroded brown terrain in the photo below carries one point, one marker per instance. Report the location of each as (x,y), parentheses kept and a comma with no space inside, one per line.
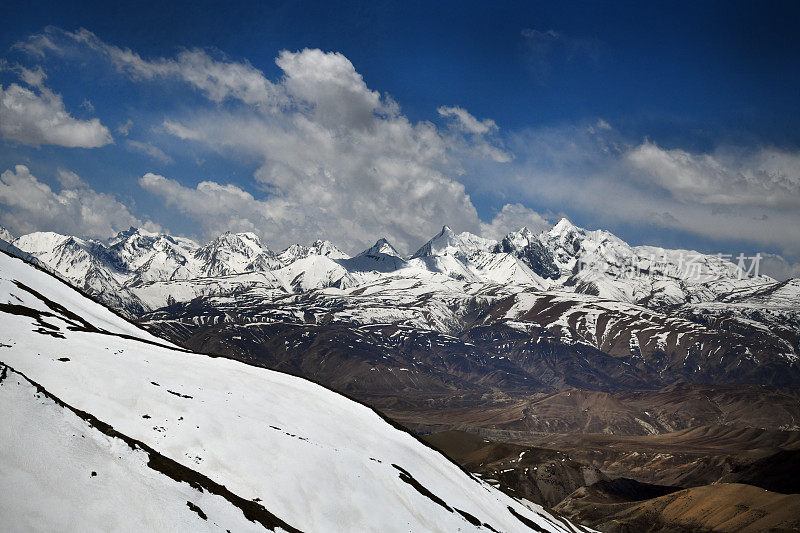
(712,478)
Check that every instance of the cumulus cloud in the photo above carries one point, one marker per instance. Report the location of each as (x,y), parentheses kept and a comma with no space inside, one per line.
(39,117)
(69,179)
(217,207)
(328,87)
(336,158)
(31,205)
(333,156)
(513,217)
(34,77)
(339,159)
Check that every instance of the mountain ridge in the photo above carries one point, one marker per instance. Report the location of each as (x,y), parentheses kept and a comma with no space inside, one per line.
(598,314)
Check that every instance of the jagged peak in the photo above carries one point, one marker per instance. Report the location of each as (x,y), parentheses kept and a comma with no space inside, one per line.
(294,247)
(524,230)
(449,242)
(141,236)
(381,246)
(564,226)
(328,249)
(319,247)
(129,233)
(227,235)
(523,233)
(6,235)
(228,239)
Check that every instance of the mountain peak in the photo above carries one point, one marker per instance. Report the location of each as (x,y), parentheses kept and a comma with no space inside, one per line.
(137,236)
(228,238)
(448,242)
(522,234)
(563,226)
(328,249)
(6,235)
(381,247)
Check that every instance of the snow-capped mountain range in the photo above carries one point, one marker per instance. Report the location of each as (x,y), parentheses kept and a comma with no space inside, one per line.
(106,427)
(566,258)
(615,315)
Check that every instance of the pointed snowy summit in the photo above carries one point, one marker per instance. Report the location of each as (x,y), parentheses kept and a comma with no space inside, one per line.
(6,235)
(447,242)
(564,226)
(381,248)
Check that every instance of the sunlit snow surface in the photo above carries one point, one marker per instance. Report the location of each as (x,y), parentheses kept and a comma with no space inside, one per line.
(84,391)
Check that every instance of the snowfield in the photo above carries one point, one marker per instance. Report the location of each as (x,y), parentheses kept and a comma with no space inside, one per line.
(107,427)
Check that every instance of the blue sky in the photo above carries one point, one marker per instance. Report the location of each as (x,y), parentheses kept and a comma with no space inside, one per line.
(669,123)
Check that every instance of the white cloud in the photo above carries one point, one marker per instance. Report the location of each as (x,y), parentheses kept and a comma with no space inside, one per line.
(339,160)
(217,79)
(513,217)
(217,207)
(765,177)
(481,141)
(31,205)
(36,118)
(330,91)
(69,179)
(466,121)
(34,77)
(336,158)
(603,125)
(732,196)
(220,207)
(148,149)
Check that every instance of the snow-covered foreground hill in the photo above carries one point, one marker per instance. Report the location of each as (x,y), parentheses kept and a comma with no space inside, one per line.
(106,427)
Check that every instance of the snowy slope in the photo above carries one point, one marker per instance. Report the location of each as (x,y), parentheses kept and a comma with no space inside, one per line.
(187,441)
(84,264)
(234,253)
